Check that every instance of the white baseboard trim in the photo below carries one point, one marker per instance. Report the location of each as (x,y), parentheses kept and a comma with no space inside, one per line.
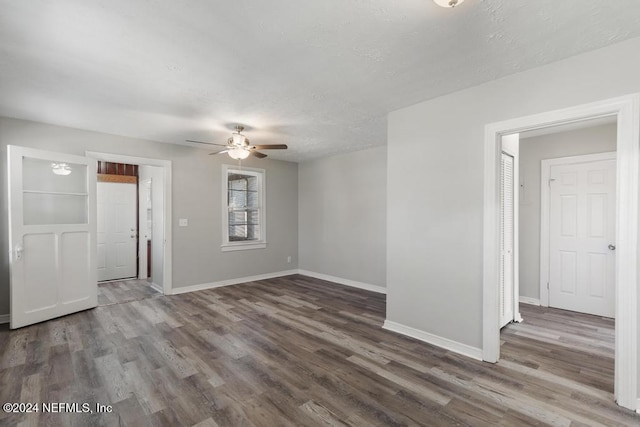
(530,301)
(228,282)
(346,282)
(4,318)
(156,287)
(447,344)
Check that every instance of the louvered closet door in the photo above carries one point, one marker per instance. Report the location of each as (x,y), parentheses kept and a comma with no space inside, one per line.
(506,239)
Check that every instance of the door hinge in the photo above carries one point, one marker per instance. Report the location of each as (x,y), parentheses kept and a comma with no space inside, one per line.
(547,285)
(549,182)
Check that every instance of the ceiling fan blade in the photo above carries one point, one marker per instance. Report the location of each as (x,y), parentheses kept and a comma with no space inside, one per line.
(270,147)
(258,154)
(219,152)
(207,143)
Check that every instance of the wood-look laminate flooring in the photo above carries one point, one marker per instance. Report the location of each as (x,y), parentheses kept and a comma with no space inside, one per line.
(564,343)
(292,351)
(120,291)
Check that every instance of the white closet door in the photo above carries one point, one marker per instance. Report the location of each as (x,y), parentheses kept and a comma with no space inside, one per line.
(506,239)
(52,234)
(582,237)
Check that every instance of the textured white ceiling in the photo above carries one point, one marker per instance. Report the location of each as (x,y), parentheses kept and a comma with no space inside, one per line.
(319,75)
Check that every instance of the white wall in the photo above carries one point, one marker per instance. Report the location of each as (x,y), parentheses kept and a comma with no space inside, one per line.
(157,220)
(435,271)
(197,258)
(533,150)
(342,219)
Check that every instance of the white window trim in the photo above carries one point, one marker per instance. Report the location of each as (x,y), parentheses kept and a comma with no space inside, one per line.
(248,245)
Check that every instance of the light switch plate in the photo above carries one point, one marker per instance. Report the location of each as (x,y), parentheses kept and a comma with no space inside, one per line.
(183,222)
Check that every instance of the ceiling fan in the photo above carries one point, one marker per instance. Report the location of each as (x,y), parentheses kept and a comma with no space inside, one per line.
(238,146)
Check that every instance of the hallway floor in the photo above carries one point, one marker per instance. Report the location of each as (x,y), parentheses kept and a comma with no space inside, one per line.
(564,344)
(121,291)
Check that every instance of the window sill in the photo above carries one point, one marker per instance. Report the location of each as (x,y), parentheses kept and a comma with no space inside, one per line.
(241,246)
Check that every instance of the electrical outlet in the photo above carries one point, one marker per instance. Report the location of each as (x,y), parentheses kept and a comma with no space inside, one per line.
(289,259)
(183,222)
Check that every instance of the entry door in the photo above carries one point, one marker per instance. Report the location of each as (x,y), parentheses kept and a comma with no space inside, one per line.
(117,230)
(506,239)
(582,231)
(52,234)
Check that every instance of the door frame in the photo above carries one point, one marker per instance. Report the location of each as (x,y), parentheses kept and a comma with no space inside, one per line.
(545,174)
(167,284)
(627,111)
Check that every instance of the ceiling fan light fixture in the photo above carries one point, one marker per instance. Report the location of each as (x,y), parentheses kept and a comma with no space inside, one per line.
(60,169)
(238,146)
(239,153)
(448,3)
(238,139)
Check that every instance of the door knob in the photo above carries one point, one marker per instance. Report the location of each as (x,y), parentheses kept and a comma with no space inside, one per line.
(612,247)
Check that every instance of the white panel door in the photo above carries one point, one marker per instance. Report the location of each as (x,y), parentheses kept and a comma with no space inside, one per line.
(506,239)
(581,237)
(117,230)
(52,235)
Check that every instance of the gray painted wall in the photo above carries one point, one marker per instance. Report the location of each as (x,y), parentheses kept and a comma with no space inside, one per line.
(197,258)
(591,140)
(343,216)
(436,174)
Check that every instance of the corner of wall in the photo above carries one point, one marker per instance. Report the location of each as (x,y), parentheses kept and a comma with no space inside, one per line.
(438,341)
(346,282)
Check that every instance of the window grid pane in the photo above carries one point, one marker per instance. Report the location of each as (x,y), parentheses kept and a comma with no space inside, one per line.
(244,210)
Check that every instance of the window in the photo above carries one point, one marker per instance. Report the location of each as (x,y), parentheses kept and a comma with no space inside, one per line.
(243,216)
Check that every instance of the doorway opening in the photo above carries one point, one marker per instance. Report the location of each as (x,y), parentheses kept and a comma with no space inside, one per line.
(152,235)
(625,111)
(565,197)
